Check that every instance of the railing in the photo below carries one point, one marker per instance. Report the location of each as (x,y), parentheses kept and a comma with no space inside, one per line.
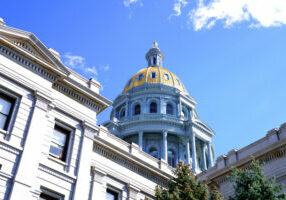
(152,116)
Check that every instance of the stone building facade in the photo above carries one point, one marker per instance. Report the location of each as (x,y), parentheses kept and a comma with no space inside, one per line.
(50,145)
(269,150)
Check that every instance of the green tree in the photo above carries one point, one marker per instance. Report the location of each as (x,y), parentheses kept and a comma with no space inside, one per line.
(183,186)
(250,184)
(215,195)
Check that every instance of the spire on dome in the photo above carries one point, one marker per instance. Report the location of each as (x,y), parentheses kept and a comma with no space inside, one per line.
(155,44)
(154,56)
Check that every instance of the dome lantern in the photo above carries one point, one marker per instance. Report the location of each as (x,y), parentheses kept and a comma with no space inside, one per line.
(154,56)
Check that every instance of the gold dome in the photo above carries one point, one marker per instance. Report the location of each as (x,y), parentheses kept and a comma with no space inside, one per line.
(154,75)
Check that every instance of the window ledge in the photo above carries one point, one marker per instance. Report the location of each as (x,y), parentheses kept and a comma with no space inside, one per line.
(57,160)
(4,132)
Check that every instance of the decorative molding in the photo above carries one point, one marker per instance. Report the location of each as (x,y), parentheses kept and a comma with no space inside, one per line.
(89,129)
(76,96)
(56,174)
(27,63)
(265,158)
(9,148)
(127,164)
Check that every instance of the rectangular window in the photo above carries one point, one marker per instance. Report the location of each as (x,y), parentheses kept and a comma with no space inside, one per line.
(153,75)
(48,195)
(111,195)
(59,143)
(6,107)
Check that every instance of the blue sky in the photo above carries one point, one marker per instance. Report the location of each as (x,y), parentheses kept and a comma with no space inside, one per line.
(230,54)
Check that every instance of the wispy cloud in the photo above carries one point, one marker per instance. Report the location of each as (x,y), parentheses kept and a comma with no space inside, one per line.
(78,63)
(258,13)
(178,5)
(128,3)
(73,61)
(105,68)
(92,70)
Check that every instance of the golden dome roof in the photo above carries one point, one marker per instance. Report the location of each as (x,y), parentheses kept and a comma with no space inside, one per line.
(154,75)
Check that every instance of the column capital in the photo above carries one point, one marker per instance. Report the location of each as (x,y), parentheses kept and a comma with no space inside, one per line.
(98,175)
(133,191)
(165,132)
(89,129)
(42,101)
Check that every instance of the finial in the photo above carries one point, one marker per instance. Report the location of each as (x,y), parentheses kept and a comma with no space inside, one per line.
(155,44)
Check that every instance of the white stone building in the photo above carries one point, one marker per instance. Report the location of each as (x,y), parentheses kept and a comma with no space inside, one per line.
(50,145)
(269,150)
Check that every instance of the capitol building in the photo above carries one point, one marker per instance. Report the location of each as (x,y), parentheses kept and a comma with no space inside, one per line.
(52,148)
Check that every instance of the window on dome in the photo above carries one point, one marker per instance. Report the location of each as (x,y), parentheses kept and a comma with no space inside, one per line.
(166,76)
(185,112)
(153,107)
(154,61)
(178,82)
(59,143)
(169,109)
(122,113)
(137,110)
(129,83)
(6,107)
(153,74)
(140,77)
(153,152)
(171,158)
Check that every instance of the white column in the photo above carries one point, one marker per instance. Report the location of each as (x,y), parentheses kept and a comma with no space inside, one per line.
(84,163)
(127,108)
(210,156)
(140,138)
(98,185)
(187,144)
(204,156)
(194,153)
(26,177)
(180,108)
(165,145)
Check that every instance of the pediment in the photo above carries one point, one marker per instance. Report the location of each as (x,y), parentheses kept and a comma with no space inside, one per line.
(32,46)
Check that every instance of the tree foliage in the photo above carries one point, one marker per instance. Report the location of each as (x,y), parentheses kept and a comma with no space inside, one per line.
(183,186)
(215,195)
(250,184)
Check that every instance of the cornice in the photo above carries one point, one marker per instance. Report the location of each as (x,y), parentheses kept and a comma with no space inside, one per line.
(36,43)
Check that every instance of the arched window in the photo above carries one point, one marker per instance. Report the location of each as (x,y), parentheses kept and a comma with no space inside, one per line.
(153,107)
(153,151)
(166,76)
(122,113)
(171,158)
(154,61)
(185,112)
(140,77)
(169,109)
(137,110)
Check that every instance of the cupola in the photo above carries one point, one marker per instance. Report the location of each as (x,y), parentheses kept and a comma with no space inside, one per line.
(154,56)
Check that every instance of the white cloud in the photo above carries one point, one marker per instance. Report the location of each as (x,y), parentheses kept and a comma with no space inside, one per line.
(259,13)
(74,61)
(178,6)
(127,3)
(78,64)
(105,68)
(91,70)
